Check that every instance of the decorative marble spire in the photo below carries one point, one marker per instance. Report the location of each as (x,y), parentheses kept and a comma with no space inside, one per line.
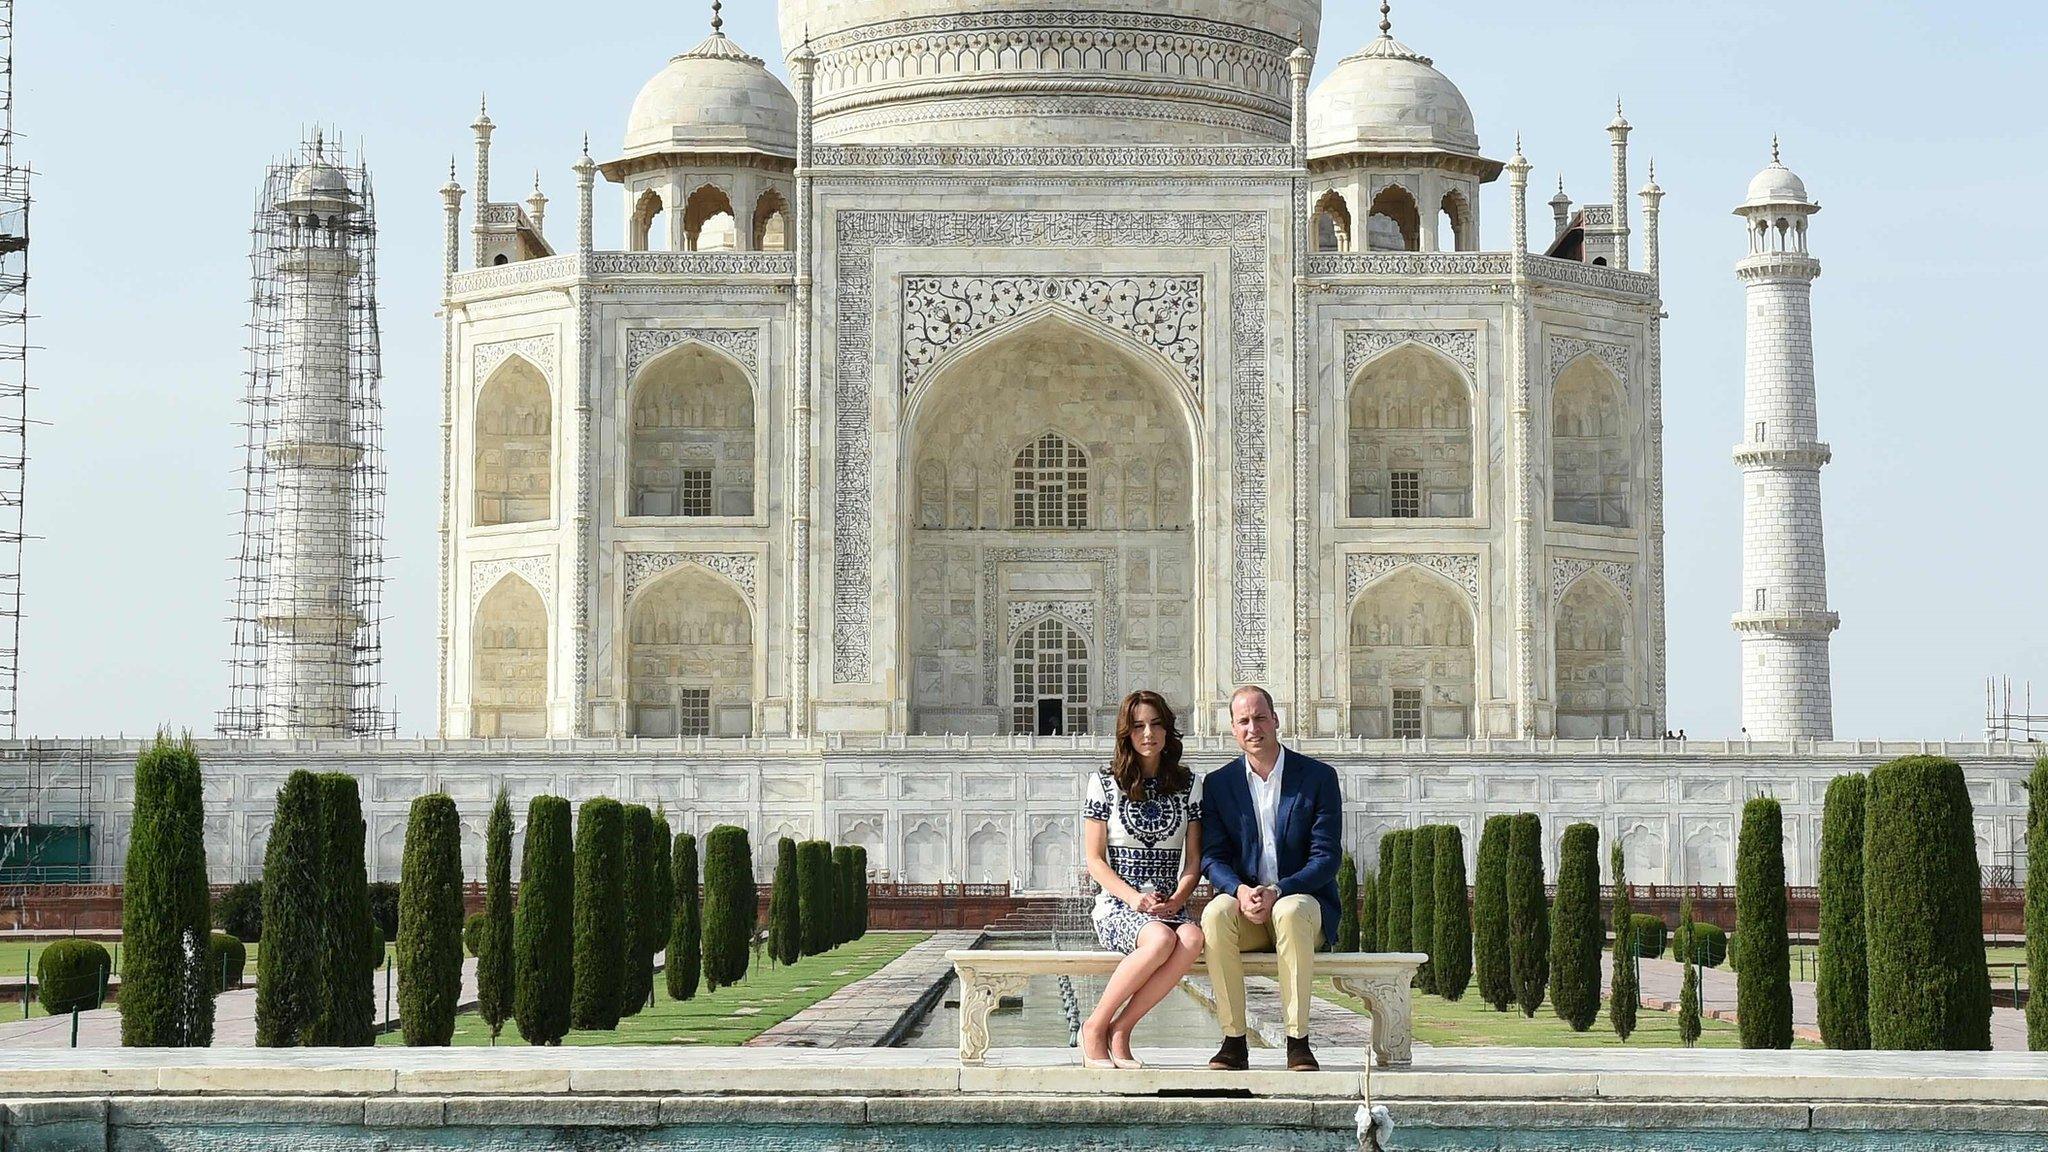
(1386,19)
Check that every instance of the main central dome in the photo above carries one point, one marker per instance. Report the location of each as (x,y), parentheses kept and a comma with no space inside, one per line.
(1033,72)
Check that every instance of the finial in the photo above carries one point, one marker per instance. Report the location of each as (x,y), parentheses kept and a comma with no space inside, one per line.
(536,180)
(1653,169)
(451,168)
(1518,143)
(1386,19)
(1774,149)
(717,18)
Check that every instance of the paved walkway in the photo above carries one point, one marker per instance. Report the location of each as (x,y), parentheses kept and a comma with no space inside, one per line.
(876,1011)
(1662,981)
(234,1019)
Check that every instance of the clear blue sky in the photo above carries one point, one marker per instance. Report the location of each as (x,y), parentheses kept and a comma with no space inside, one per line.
(1916,124)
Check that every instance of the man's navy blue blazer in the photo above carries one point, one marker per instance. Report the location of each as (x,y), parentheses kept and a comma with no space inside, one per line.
(1307,836)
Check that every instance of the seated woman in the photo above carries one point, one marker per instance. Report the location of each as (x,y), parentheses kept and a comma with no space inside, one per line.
(1144,846)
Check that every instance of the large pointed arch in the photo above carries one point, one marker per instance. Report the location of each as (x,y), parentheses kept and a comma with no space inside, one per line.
(513,446)
(1592,446)
(1413,656)
(1411,436)
(508,664)
(692,448)
(1593,642)
(689,656)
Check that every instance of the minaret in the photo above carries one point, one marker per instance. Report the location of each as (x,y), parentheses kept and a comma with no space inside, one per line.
(1784,620)
(313,604)
(1561,209)
(1617,131)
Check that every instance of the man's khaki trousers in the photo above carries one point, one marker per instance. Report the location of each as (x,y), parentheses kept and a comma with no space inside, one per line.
(1292,933)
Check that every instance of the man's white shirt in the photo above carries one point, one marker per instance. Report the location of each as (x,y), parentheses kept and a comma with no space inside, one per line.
(1266,803)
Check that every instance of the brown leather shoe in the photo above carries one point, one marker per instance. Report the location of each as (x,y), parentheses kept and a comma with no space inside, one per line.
(1234,1056)
(1299,1058)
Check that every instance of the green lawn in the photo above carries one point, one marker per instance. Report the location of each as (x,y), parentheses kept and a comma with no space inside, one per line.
(1805,963)
(1472,1023)
(731,1015)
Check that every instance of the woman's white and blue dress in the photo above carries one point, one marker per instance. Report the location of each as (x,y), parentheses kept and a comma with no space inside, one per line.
(1147,844)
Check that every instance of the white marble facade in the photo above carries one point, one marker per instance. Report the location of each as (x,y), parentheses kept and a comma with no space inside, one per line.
(1024,356)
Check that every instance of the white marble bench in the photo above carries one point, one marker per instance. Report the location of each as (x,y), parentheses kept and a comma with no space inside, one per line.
(1381,979)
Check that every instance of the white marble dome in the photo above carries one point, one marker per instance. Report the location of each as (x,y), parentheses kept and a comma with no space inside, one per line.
(1038,72)
(1386,97)
(714,98)
(1776,185)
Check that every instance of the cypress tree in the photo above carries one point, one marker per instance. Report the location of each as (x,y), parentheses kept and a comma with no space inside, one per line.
(1763,988)
(1923,910)
(1842,988)
(1453,915)
(847,904)
(659,918)
(1369,912)
(1689,989)
(1422,898)
(167,978)
(350,941)
(1528,913)
(785,930)
(1347,904)
(1575,935)
(1400,896)
(1386,884)
(685,955)
(1625,992)
(814,895)
(600,914)
(494,960)
(636,979)
(544,935)
(430,923)
(2037,901)
(860,891)
(289,977)
(730,904)
(1490,915)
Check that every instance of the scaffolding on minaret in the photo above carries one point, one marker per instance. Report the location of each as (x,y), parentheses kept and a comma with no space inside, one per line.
(14,316)
(308,600)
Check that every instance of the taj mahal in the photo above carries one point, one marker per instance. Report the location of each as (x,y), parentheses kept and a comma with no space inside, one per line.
(1017,355)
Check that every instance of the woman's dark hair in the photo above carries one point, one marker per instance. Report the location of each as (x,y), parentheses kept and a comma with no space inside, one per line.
(1128,770)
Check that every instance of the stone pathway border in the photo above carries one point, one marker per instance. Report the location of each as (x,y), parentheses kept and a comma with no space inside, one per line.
(875,1012)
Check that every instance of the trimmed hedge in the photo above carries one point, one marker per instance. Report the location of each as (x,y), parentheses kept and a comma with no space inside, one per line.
(846,904)
(227,961)
(384,909)
(785,930)
(288,967)
(72,974)
(1490,915)
(685,944)
(730,905)
(494,987)
(1923,911)
(430,923)
(660,895)
(1385,887)
(1453,915)
(1625,992)
(2037,900)
(1709,944)
(1651,935)
(1528,913)
(1422,898)
(166,981)
(1369,912)
(473,930)
(860,891)
(636,977)
(1401,893)
(1689,986)
(544,933)
(1842,987)
(1575,929)
(1347,904)
(1763,987)
(814,895)
(600,914)
(239,911)
(353,946)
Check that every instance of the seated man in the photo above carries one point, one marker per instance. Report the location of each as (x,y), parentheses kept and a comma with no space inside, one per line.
(1271,831)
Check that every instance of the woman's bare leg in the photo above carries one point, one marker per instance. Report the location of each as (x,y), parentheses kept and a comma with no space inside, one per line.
(1156,946)
(1187,948)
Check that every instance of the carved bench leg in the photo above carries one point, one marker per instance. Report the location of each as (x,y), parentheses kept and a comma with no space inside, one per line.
(980,992)
(1393,1025)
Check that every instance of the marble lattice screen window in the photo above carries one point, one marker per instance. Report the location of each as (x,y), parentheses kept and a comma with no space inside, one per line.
(694,711)
(1051,484)
(1050,662)
(1407,713)
(695,492)
(1406,489)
